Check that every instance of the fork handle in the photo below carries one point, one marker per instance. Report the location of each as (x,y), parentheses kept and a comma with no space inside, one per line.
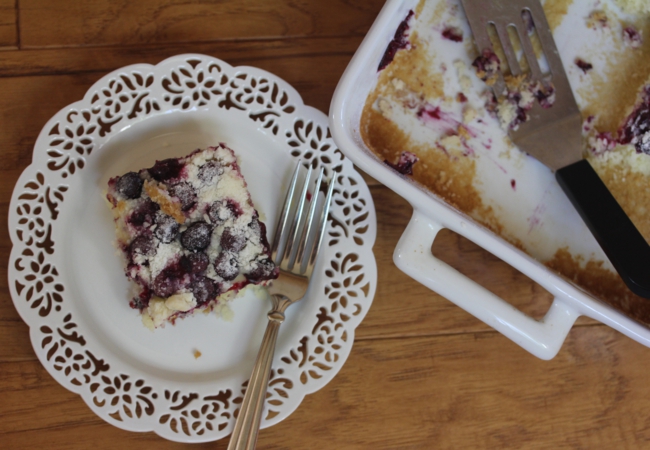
(244,436)
(623,244)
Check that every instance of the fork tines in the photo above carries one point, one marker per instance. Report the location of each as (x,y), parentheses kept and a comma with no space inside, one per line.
(301,226)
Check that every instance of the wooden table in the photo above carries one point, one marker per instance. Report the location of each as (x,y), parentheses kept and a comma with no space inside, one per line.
(422,373)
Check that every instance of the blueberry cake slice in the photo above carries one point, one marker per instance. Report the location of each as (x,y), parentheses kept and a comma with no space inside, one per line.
(189,234)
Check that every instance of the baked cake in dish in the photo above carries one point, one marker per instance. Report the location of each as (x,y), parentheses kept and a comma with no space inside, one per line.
(433,117)
(189,234)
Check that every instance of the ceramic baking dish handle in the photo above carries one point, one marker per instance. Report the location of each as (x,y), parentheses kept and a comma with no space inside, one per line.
(413,256)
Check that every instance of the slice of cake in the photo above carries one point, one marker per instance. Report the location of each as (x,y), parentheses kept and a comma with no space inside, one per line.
(189,234)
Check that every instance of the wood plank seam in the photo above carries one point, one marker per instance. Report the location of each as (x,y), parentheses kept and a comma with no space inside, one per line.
(11,59)
(455,333)
(18,24)
(193,42)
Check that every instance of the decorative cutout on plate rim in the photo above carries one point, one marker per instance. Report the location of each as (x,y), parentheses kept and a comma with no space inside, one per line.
(116,392)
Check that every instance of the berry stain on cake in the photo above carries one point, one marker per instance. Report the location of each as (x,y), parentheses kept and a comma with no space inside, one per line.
(189,234)
(400,41)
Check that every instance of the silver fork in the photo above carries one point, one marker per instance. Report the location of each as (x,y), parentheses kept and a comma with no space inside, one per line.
(295,248)
(553,135)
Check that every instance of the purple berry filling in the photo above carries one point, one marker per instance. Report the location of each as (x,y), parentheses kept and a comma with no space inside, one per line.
(166,228)
(167,169)
(204,290)
(632,37)
(398,42)
(583,65)
(405,163)
(223,210)
(545,96)
(226,266)
(453,34)
(194,263)
(209,170)
(129,185)
(264,269)
(231,241)
(487,64)
(144,214)
(636,129)
(169,281)
(185,194)
(197,236)
(143,245)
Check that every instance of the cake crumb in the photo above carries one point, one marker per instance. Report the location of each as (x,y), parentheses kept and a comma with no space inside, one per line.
(167,204)
(384,107)
(636,7)
(196,353)
(398,84)
(469,114)
(223,311)
(597,20)
(453,145)
(632,37)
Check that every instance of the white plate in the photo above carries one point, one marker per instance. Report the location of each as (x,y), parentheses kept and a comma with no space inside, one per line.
(68,285)
(537,194)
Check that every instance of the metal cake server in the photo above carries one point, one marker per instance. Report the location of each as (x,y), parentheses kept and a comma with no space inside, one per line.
(553,135)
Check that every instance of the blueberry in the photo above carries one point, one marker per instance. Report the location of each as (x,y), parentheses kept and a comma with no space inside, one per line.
(165,284)
(166,169)
(487,64)
(226,266)
(204,290)
(144,213)
(263,270)
(194,263)
(219,212)
(234,207)
(185,193)
(210,170)
(143,245)
(130,185)
(405,163)
(166,229)
(232,241)
(170,281)
(141,301)
(259,229)
(223,210)
(197,236)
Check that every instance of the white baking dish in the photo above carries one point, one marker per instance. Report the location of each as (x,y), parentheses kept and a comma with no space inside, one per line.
(544,337)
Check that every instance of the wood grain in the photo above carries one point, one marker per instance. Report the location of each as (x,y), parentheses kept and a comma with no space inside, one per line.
(423,373)
(8,25)
(408,393)
(503,399)
(105,22)
(105,59)
(27,102)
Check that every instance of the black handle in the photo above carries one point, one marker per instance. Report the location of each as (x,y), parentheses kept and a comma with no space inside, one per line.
(625,247)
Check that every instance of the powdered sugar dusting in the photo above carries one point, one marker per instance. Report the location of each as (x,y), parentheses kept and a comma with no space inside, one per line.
(192,231)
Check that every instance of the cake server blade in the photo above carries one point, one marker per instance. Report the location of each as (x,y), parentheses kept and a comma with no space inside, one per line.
(553,135)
